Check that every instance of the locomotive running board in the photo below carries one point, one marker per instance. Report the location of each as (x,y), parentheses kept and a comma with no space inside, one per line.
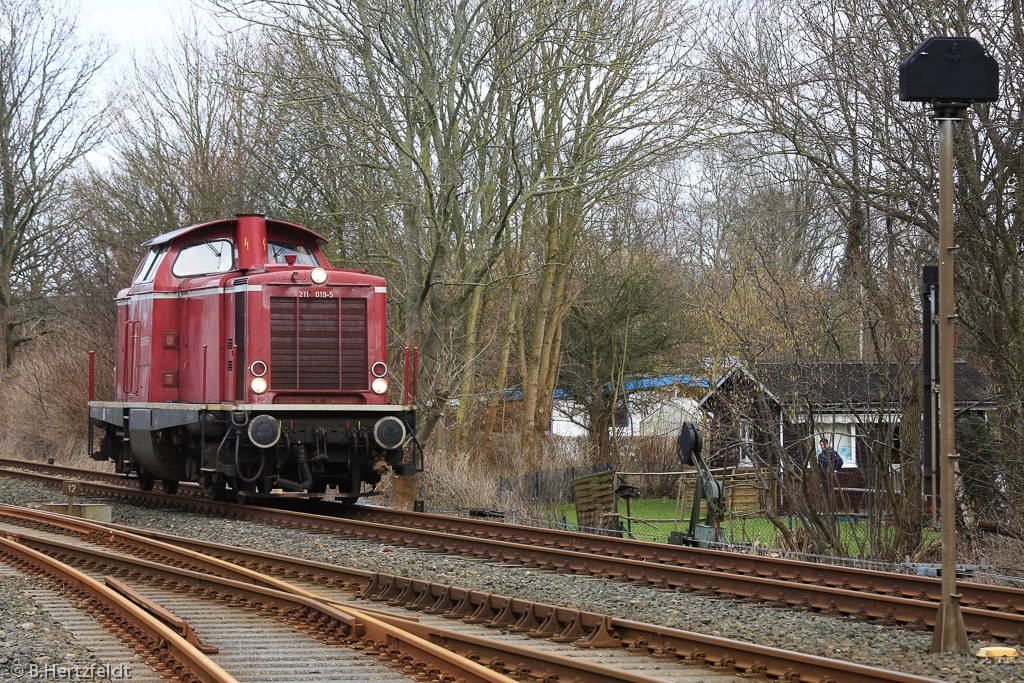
(265,407)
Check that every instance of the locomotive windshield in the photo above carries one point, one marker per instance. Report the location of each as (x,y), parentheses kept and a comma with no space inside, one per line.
(148,269)
(303,254)
(206,257)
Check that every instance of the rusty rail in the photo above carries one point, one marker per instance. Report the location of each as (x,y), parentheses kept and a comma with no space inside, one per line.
(332,624)
(982,596)
(861,580)
(168,651)
(988,611)
(537,620)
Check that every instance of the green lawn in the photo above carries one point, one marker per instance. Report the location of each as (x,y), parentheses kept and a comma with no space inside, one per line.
(737,529)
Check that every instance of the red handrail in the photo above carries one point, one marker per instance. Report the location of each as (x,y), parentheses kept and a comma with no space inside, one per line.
(136,324)
(131,335)
(203,399)
(124,356)
(234,369)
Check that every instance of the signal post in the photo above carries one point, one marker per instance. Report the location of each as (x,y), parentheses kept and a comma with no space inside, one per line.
(950,74)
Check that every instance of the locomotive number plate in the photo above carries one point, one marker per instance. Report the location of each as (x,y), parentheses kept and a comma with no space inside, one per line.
(317,294)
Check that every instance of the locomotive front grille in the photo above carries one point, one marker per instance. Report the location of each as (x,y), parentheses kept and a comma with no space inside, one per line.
(317,344)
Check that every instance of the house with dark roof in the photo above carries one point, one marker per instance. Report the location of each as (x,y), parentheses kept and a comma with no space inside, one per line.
(649,406)
(754,409)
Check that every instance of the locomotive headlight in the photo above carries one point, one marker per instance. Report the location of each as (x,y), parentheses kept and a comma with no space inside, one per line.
(318,275)
(379,369)
(379,385)
(258,385)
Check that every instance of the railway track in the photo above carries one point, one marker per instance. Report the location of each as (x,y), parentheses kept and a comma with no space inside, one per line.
(989,611)
(163,648)
(263,629)
(602,648)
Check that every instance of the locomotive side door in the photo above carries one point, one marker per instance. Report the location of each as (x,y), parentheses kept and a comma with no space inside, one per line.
(201,346)
(136,353)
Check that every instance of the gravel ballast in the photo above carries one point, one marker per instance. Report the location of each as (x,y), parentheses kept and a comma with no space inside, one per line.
(864,643)
(33,647)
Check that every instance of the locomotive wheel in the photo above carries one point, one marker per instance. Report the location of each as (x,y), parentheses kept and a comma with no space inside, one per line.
(169,486)
(146,480)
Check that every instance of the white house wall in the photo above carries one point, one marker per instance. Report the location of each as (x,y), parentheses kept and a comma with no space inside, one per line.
(562,415)
(666,417)
(661,418)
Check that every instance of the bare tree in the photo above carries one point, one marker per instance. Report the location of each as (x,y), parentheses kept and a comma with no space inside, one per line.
(192,140)
(768,253)
(619,97)
(801,84)
(472,136)
(631,317)
(415,110)
(47,124)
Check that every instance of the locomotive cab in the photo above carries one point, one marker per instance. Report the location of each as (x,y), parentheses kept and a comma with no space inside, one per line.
(245,360)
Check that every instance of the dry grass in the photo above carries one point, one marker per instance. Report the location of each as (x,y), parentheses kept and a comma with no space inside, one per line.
(458,479)
(1000,551)
(465,479)
(43,400)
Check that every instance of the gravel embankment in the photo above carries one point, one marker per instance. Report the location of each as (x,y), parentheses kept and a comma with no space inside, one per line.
(864,643)
(32,646)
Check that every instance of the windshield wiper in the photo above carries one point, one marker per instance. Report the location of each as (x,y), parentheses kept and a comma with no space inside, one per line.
(210,245)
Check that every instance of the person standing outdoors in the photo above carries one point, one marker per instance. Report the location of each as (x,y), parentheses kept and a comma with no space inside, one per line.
(828,459)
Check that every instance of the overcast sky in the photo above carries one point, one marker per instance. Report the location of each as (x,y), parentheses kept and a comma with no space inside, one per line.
(129,26)
(132,24)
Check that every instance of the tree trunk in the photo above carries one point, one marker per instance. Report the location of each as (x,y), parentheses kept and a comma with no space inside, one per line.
(506,349)
(467,400)
(542,315)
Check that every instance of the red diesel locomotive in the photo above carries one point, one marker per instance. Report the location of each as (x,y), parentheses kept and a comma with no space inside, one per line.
(244,360)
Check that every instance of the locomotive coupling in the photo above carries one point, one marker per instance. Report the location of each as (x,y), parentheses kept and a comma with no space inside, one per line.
(389,432)
(264,431)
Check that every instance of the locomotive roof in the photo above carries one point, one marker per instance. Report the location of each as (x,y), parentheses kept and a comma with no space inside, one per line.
(174,234)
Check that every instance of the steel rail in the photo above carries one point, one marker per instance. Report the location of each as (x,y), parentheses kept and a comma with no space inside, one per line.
(1006,624)
(499,659)
(502,658)
(560,624)
(88,474)
(981,596)
(861,580)
(168,651)
(332,624)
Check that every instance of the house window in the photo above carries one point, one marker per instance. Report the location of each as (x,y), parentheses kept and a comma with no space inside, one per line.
(842,437)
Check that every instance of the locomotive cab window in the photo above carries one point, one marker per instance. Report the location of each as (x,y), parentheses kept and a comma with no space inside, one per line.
(203,258)
(303,254)
(147,271)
